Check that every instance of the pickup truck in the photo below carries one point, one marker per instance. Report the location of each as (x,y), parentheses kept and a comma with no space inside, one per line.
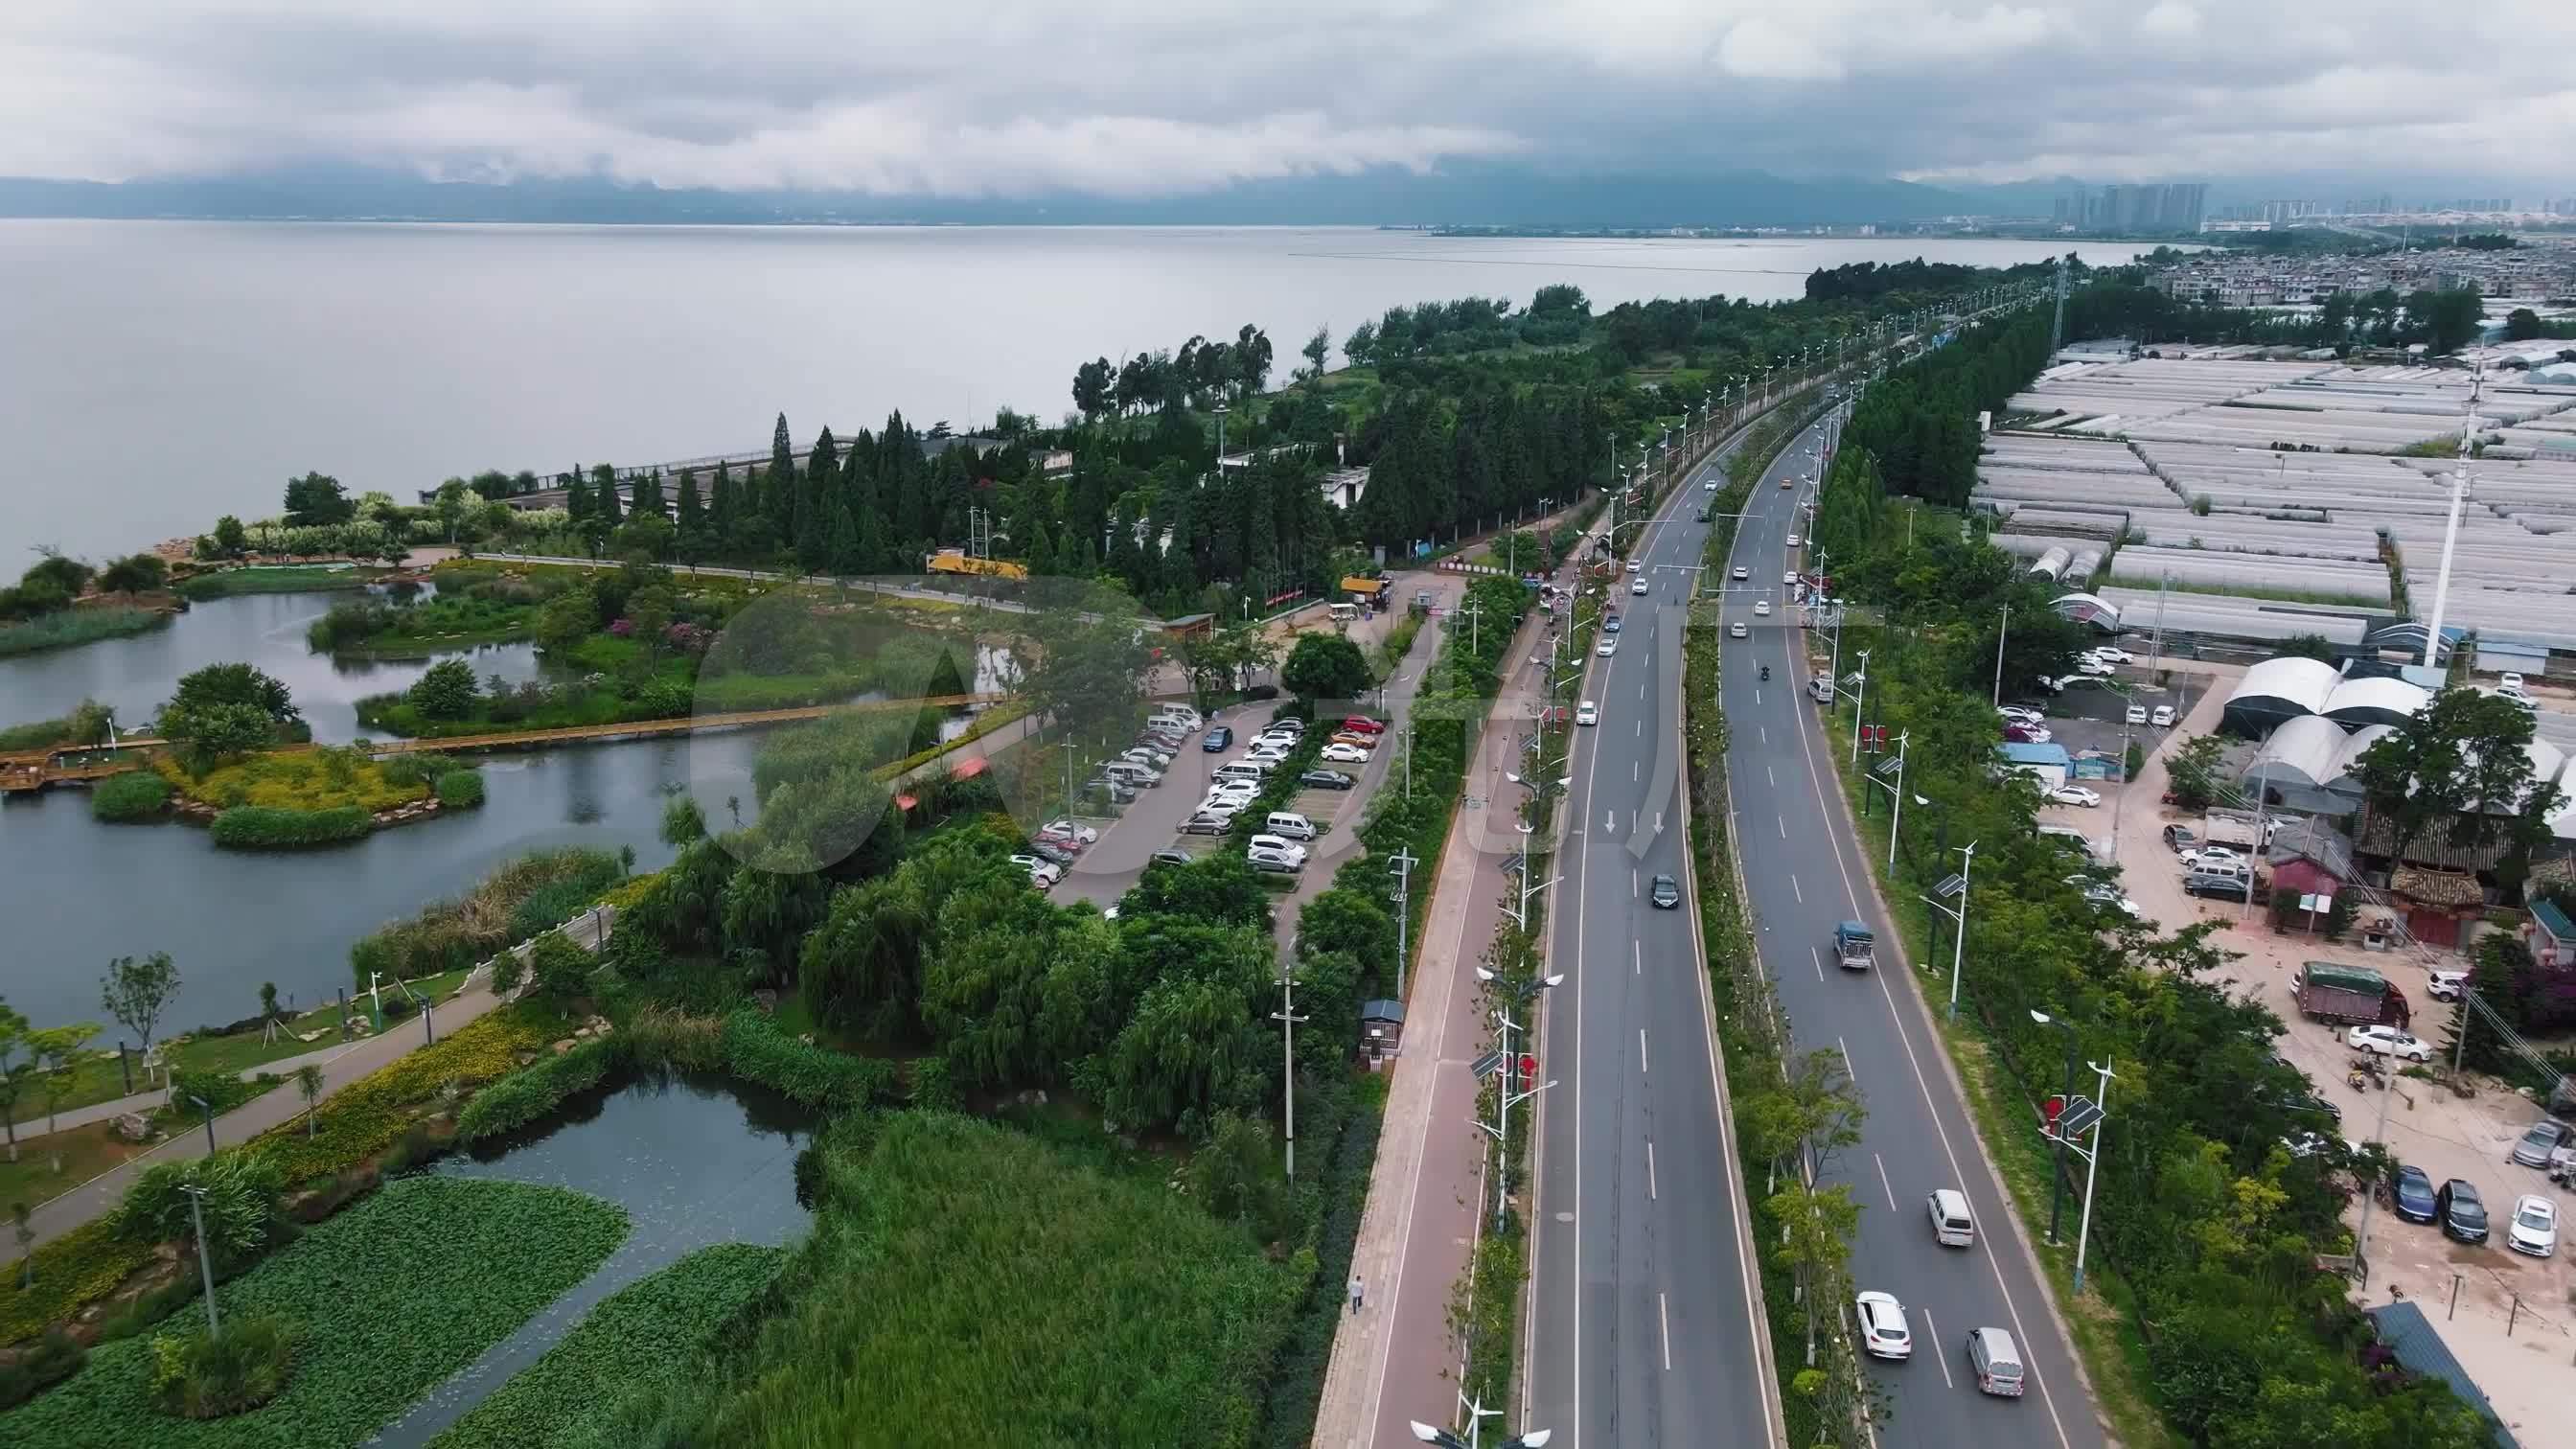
(2348,995)
(1855,949)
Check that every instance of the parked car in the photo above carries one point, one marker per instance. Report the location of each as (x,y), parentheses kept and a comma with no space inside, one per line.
(1171,857)
(2447,985)
(1587,713)
(1608,646)
(2463,1214)
(2162,717)
(1344,755)
(2074,795)
(1666,893)
(1267,754)
(1218,740)
(1882,1326)
(2389,1041)
(1276,862)
(2412,1193)
(2136,715)
(1048,850)
(2206,857)
(2109,898)
(2539,1140)
(1362,724)
(2306,1144)
(2112,655)
(2027,734)
(2534,1228)
(1788,579)
(1281,844)
(2019,714)
(1326,780)
(1040,869)
(1111,791)
(1632,566)
(1366,742)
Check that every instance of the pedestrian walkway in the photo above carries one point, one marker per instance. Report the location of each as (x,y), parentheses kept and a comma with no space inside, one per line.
(1397,1358)
(343,1066)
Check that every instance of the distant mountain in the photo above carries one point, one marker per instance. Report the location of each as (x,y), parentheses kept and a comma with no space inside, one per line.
(1484,196)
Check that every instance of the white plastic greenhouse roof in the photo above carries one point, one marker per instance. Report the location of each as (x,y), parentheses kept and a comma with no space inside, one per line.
(2358,701)
(2300,683)
(2303,751)
(2356,745)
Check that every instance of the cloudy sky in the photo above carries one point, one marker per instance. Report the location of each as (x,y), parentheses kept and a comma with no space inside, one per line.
(1153,97)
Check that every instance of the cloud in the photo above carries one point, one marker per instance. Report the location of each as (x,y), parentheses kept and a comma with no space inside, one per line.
(1147,97)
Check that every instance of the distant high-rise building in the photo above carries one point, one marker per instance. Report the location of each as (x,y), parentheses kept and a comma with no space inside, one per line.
(2150,207)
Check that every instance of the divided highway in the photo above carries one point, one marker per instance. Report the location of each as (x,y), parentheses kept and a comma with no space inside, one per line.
(1643,1325)
(1805,873)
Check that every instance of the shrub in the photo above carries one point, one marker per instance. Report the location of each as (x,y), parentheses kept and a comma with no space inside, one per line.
(258,827)
(531,1092)
(558,969)
(134,795)
(54,1358)
(757,1051)
(934,1085)
(453,935)
(460,789)
(199,1376)
(507,972)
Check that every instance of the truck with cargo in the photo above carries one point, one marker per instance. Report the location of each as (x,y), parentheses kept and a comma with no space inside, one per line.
(2234,829)
(1855,949)
(2348,995)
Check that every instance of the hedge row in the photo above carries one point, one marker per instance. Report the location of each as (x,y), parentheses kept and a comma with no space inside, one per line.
(261,827)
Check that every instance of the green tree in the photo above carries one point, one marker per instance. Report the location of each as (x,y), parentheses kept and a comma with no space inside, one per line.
(58,1050)
(649,611)
(2521,325)
(18,1067)
(208,734)
(567,619)
(231,539)
(134,991)
(683,823)
(1318,348)
(316,499)
(238,1202)
(449,506)
(447,691)
(1325,666)
(237,684)
(559,968)
(2193,772)
(134,574)
(309,1085)
(2460,762)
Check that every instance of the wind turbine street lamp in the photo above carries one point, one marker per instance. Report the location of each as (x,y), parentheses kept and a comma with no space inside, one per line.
(2057,1169)
(1955,886)
(1477,1414)
(1522,992)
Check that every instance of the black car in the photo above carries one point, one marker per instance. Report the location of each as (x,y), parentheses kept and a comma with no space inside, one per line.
(2463,1213)
(1219,739)
(1326,780)
(2413,1195)
(1666,893)
(1171,857)
(1049,850)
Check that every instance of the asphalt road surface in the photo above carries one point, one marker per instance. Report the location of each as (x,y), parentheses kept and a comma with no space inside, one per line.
(1642,1321)
(1805,874)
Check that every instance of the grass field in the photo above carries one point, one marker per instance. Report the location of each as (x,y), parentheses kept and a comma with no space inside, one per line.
(281,579)
(63,629)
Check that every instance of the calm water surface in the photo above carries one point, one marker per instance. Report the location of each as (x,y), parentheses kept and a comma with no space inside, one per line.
(393,356)
(693,1163)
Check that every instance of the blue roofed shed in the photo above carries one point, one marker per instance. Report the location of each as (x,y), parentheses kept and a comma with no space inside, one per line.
(2048,764)
(2419,1349)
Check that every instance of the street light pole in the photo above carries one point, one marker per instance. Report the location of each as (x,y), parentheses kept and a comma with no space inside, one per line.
(205,1263)
(1959,946)
(1401,867)
(1288,1018)
(2057,1169)
(1860,698)
(2092,1161)
(2000,636)
(1898,823)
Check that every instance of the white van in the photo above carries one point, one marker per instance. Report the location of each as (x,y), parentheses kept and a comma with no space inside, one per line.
(1291,824)
(1177,714)
(1952,1224)
(1130,774)
(1240,770)
(1996,1362)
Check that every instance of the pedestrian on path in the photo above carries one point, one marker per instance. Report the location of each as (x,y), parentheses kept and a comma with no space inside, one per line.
(1355,1293)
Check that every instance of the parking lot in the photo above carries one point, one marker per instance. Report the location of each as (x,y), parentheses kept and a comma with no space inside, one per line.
(2513,1324)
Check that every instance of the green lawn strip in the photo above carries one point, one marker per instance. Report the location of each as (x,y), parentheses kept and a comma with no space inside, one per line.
(296,579)
(67,627)
(965,1287)
(389,1298)
(2103,1321)
(649,1331)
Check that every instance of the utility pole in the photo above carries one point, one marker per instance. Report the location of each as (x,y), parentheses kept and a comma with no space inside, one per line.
(1475,613)
(1401,867)
(1067,745)
(205,1263)
(2092,1161)
(2451,524)
(1860,698)
(2000,636)
(1898,823)
(1288,1018)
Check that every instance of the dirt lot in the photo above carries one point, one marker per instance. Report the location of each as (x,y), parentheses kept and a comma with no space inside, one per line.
(2514,1323)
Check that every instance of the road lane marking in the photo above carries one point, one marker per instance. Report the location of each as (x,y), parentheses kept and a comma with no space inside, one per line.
(1937,1355)
(1767,775)
(1638,950)
(1632,883)
(1884,1185)
(1783,822)
(1636,771)
(1793,890)
(1849,1069)
(1651,1193)
(1664,1318)
(1818,953)
(1642,1068)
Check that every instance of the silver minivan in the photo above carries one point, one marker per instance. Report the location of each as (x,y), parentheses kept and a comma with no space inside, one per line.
(1952,1224)
(1130,774)
(1290,824)
(1996,1362)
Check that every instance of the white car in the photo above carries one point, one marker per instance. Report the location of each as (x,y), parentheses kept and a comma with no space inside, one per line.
(1762,608)
(1740,574)
(1632,565)
(2163,717)
(1237,791)
(2388,1041)
(1344,755)
(1793,540)
(1272,753)
(1788,580)
(2137,715)
(2074,795)
(2208,855)
(1608,646)
(1735,630)
(1587,713)
(2019,714)
(2509,682)
(2109,655)
(2097,667)
(2534,1229)
(1073,830)
(1041,870)
(1883,1333)
(1636,586)
(1708,484)
(1280,843)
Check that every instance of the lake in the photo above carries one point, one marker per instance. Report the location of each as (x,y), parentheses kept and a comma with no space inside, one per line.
(168,372)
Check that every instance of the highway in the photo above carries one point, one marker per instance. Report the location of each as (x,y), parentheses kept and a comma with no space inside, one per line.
(1642,1321)
(1804,874)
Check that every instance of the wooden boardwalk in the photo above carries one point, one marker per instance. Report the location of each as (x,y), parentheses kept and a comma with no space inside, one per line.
(27,770)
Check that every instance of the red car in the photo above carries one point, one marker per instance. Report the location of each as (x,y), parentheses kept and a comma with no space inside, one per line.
(1361,724)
